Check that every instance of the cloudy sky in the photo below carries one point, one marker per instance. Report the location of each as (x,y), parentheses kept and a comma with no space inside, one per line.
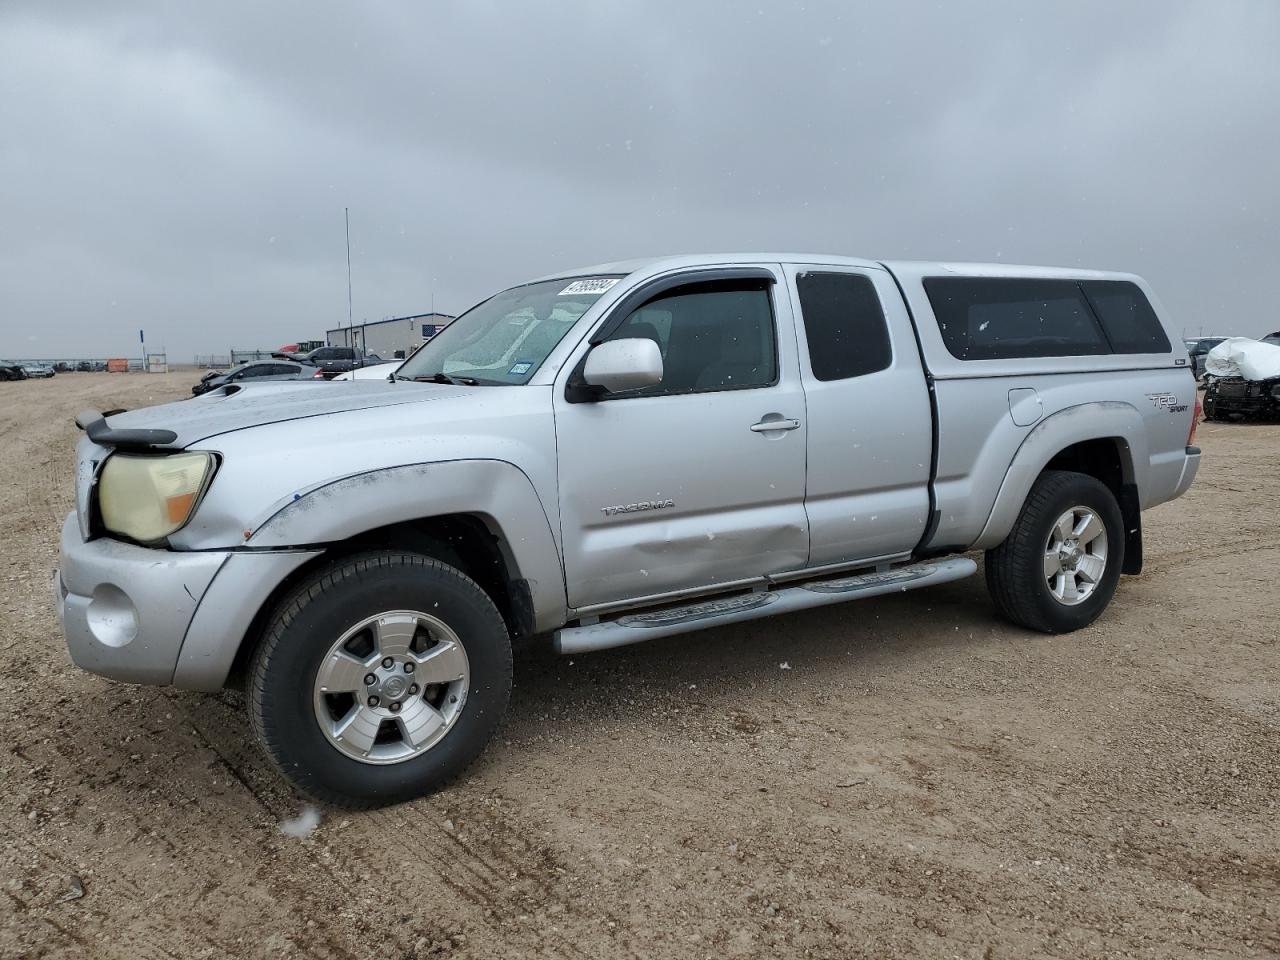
(184,167)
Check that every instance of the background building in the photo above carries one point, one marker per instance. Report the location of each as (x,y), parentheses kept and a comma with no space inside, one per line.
(398,336)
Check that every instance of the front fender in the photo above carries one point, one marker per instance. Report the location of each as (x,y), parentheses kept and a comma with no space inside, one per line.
(497,492)
(1085,421)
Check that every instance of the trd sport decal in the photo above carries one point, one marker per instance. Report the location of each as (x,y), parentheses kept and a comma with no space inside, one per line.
(1167,402)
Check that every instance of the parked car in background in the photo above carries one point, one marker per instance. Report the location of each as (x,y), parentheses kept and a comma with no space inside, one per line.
(1196,350)
(336,360)
(258,371)
(611,455)
(11,371)
(375,371)
(37,371)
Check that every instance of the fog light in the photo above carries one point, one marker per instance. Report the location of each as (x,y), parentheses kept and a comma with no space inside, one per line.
(111,615)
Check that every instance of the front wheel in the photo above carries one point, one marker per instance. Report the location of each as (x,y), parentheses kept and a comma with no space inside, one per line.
(1059,567)
(379,679)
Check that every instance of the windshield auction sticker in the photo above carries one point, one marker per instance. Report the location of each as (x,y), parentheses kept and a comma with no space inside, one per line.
(594,287)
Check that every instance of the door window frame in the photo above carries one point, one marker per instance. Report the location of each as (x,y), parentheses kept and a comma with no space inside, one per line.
(576,390)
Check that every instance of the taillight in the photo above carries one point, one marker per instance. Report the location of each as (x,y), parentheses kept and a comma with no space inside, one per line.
(319,375)
(1195,421)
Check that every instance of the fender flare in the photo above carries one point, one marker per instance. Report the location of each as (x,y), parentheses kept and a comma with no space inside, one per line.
(497,492)
(1100,420)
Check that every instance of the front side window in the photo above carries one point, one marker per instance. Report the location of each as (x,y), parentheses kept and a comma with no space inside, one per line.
(993,318)
(505,339)
(715,335)
(844,325)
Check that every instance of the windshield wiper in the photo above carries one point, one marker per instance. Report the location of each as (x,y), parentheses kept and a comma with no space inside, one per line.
(445,378)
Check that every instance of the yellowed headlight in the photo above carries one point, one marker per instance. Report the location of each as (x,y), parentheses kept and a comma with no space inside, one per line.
(148,498)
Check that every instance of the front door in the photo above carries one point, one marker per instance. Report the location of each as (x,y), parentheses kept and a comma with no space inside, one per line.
(700,480)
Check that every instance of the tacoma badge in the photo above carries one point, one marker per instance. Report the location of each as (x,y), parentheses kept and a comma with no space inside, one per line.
(638,507)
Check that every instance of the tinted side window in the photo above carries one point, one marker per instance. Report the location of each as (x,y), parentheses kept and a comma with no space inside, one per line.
(990,318)
(844,325)
(713,336)
(1130,323)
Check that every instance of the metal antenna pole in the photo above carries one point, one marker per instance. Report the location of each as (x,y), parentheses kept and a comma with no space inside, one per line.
(346,217)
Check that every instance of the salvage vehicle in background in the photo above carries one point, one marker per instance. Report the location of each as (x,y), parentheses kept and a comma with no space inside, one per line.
(257,371)
(1243,380)
(1197,349)
(37,371)
(11,371)
(336,360)
(611,455)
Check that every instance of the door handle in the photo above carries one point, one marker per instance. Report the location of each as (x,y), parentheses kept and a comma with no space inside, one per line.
(768,426)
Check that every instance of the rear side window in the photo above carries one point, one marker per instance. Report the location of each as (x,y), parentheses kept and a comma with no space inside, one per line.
(994,318)
(844,325)
(1127,318)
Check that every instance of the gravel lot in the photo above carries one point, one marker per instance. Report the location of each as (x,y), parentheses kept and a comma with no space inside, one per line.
(900,777)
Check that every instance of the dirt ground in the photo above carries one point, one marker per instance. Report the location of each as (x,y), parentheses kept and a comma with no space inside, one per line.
(898,777)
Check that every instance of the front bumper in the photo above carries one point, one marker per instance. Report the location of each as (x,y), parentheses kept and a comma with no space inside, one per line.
(125,609)
(154,616)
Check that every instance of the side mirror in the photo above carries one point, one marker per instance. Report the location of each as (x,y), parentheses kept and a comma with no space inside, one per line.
(618,365)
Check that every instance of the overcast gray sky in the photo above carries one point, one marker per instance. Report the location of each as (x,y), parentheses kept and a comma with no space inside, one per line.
(183,167)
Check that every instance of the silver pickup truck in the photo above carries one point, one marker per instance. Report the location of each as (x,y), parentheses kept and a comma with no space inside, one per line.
(615,454)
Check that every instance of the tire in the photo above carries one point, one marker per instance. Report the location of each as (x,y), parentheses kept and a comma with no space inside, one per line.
(1017,571)
(299,722)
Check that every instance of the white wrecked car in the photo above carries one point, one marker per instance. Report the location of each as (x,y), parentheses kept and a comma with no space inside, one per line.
(1244,380)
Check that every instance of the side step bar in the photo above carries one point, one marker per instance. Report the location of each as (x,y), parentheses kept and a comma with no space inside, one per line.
(635,627)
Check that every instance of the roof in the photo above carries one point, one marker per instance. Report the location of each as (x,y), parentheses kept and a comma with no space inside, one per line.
(680,261)
(908,267)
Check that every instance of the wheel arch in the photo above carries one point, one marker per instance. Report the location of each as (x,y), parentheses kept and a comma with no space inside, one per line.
(397,501)
(1104,440)
(470,542)
(482,516)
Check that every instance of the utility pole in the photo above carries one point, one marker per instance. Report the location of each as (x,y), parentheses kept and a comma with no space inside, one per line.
(346,217)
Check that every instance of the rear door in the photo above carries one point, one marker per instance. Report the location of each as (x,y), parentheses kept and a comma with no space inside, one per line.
(870,422)
(698,481)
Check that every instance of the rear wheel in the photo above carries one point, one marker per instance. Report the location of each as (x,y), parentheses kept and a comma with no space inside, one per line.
(379,679)
(1058,568)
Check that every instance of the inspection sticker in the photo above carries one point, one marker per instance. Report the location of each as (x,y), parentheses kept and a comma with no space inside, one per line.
(596,286)
(520,368)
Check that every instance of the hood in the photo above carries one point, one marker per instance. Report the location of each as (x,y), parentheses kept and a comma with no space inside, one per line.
(227,409)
